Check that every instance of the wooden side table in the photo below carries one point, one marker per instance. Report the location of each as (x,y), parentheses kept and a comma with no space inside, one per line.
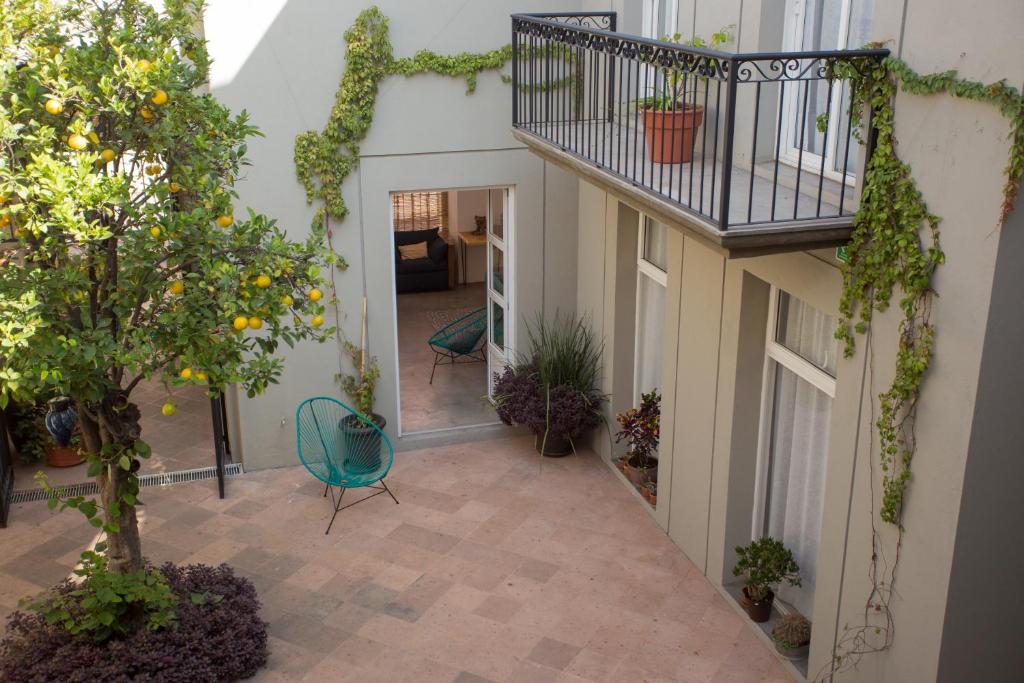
(467,240)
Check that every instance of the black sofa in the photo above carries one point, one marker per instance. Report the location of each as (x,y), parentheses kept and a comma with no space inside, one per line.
(422,274)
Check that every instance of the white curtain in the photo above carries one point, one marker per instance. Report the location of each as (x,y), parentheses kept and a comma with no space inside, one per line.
(799,442)
(650,332)
(807,332)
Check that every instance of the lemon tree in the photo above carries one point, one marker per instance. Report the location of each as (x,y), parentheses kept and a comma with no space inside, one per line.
(125,257)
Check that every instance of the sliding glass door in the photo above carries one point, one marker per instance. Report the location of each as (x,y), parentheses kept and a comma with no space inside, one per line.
(500,291)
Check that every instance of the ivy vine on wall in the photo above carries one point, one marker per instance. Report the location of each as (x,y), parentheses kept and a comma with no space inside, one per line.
(895,245)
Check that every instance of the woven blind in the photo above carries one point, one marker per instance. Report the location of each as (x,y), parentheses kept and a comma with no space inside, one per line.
(420,210)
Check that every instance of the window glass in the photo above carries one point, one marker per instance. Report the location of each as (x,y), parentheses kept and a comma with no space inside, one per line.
(497,219)
(497,324)
(497,270)
(649,334)
(796,480)
(807,332)
(655,244)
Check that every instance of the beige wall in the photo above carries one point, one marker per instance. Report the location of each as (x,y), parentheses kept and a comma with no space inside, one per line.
(281,60)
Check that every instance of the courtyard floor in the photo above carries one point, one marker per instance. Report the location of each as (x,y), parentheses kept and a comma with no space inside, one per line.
(496,566)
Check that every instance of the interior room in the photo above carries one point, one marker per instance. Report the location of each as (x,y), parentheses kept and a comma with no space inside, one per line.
(442,239)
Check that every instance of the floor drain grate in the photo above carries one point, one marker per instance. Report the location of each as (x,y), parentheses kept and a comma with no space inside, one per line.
(89,488)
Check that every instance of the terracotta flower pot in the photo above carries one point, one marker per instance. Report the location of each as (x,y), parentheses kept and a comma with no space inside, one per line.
(63,456)
(759,611)
(638,476)
(670,134)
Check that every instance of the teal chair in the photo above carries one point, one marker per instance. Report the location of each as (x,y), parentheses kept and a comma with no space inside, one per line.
(462,338)
(342,448)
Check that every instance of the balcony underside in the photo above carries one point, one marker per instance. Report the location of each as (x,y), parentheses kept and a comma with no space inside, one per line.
(668,194)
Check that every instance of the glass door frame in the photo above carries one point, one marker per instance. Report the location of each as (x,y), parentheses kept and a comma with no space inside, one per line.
(499,356)
(644,268)
(789,151)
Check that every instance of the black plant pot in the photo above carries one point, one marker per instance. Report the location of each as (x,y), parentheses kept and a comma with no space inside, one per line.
(554,446)
(361,443)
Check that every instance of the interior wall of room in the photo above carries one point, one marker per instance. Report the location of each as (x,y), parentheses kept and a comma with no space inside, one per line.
(463,207)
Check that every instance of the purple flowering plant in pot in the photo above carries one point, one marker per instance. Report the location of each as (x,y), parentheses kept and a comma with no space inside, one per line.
(640,428)
(552,390)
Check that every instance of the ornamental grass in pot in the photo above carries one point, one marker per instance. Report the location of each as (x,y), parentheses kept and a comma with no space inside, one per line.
(764,563)
(641,429)
(552,389)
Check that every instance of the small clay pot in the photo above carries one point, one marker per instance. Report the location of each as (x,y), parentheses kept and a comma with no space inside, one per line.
(63,456)
(793,653)
(639,476)
(759,612)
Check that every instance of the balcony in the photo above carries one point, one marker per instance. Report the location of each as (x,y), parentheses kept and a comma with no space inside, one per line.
(754,153)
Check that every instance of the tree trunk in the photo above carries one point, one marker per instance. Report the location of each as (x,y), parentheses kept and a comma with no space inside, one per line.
(114,421)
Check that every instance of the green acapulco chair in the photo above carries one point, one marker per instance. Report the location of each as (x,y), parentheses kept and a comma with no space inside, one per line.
(460,338)
(342,448)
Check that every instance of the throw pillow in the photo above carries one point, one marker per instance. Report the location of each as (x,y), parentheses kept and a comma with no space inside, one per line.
(413,251)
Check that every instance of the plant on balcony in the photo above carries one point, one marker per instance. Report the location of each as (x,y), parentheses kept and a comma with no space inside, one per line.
(764,563)
(671,123)
(792,635)
(553,390)
(641,429)
(129,263)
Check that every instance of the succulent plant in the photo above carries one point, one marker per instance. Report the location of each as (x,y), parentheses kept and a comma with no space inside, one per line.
(792,630)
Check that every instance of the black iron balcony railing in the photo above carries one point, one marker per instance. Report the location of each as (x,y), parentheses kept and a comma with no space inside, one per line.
(745,143)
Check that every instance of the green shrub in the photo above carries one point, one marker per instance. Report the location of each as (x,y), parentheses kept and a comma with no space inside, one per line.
(764,563)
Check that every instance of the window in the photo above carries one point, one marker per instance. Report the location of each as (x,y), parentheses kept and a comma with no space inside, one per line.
(652,278)
(660,18)
(822,25)
(419,210)
(799,386)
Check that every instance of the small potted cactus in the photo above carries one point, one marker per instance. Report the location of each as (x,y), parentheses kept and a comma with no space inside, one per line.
(792,635)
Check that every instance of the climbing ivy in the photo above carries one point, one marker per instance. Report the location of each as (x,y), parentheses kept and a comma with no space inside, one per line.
(895,244)
(324,159)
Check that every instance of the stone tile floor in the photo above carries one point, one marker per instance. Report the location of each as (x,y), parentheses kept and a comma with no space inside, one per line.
(496,566)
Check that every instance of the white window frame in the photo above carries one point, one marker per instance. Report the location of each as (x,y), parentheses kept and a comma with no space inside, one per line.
(644,269)
(775,355)
(792,103)
(497,357)
(650,17)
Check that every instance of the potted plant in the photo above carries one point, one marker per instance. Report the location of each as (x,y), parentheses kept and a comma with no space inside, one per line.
(671,124)
(359,433)
(552,391)
(28,431)
(764,563)
(792,635)
(641,428)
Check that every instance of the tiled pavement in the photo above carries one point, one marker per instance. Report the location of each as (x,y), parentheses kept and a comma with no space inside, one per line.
(496,566)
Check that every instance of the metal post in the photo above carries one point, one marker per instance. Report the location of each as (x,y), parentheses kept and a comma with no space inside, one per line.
(611,71)
(515,75)
(218,441)
(730,130)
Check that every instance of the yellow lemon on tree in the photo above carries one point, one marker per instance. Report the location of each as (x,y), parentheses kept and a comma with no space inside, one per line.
(177,287)
(143,65)
(108,155)
(154,169)
(263,281)
(225,221)
(54,106)
(286,300)
(5,220)
(185,373)
(174,188)
(154,231)
(3,199)
(255,322)
(146,113)
(169,409)
(201,376)
(240,323)
(159,98)
(317,321)
(77,142)
(93,138)
(315,294)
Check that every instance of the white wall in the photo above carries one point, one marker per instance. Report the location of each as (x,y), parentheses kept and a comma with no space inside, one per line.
(468,204)
(281,60)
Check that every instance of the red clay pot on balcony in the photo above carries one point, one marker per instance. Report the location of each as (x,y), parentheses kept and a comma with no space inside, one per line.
(670,134)
(63,456)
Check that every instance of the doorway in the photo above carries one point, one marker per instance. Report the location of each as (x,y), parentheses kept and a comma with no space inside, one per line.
(453,304)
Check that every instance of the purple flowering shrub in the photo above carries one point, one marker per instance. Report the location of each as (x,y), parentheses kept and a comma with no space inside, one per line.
(218,636)
(521,399)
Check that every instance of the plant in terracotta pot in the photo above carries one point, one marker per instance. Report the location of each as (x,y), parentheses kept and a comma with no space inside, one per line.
(28,431)
(764,563)
(641,429)
(792,635)
(552,391)
(670,121)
